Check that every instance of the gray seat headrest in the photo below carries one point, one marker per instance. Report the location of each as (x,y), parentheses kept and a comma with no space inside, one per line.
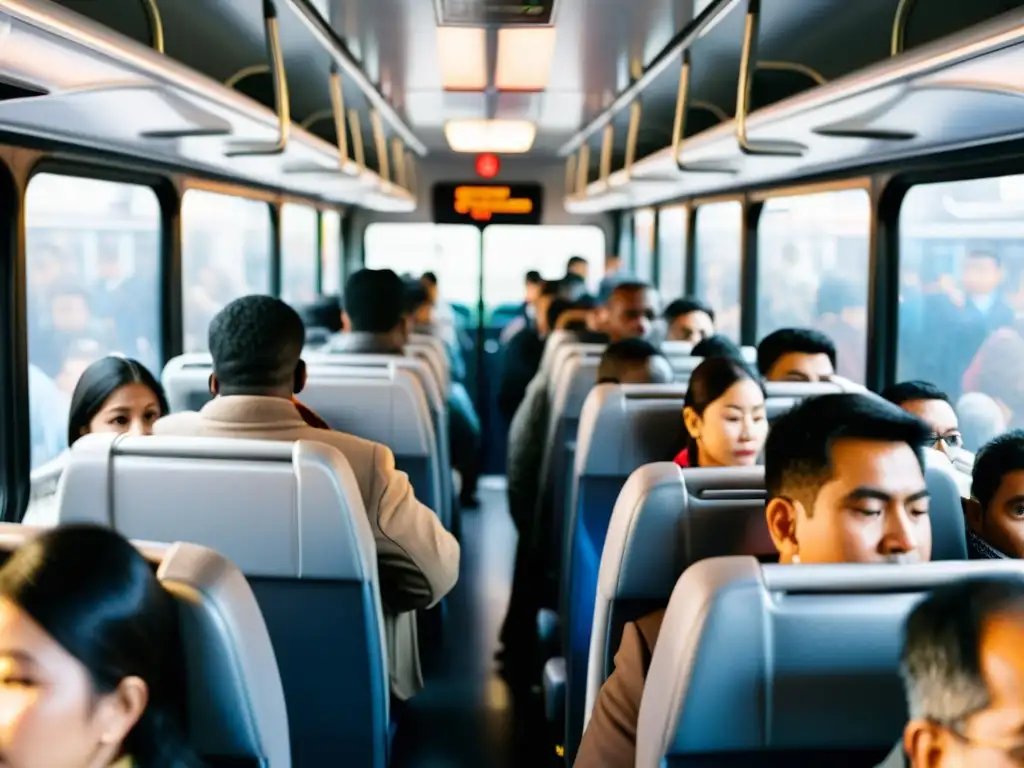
(755,662)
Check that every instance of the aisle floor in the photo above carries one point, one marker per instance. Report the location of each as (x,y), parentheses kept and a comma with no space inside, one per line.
(465,716)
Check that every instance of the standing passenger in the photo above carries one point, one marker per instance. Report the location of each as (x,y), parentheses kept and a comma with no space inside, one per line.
(256,343)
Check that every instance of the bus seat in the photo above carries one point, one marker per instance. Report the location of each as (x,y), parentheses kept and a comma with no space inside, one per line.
(436,361)
(236,712)
(552,343)
(385,404)
(291,517)
(772,664)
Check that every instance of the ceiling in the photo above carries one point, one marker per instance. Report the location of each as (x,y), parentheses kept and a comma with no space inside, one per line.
(596,40)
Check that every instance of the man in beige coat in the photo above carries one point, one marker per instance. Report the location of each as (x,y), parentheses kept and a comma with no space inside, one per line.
(256,343)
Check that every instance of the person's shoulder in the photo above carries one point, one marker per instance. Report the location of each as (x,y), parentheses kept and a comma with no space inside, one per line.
(179,423)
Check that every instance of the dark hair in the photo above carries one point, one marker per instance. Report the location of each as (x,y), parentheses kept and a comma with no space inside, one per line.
(625,352)
(717,346)
(1002,455)
(415,296)
(708,382)
(557,306)
(256,342)
(585,302)
(101,380)
(376,300)
(798,451)
(788,340)
(550,288)
(429,277)
(533,277)
(572,287)
(98,598)
(626,286)
(941,658)
(685,306)
(574,260)
(906,391)
(322,312)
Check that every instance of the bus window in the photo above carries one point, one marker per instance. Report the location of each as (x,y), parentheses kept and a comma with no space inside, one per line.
(719,242)
(450,251)
(812,267)
(511,251)
(92,274)
(626,240)
(331,254)
(961,294)
(226,247)
(298,254)
(671,253)
(643,244)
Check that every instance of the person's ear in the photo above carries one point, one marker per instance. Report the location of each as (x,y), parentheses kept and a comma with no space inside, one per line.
(925,743)
(118,712)
(693,422)
(214,385)
(299,382)
(781,514)
(975,515)
(346,322)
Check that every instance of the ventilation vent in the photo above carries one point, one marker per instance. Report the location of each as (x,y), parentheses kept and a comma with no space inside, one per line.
(494,12)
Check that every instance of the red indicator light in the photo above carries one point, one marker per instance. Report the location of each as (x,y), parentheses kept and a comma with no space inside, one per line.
(487,166)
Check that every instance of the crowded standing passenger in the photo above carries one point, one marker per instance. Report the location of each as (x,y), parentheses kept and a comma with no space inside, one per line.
(256,344)
(845,481)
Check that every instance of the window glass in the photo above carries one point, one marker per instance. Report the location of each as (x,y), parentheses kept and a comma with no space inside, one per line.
(719,242)
(450,251)
(511,251)
(961,292)
(93,288)
(298,254)
(626,241)
(671,252)
(812,264)
(226,247)
(643,244)
(330,256)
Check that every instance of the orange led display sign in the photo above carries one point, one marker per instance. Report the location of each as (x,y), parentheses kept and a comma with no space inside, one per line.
(483,204)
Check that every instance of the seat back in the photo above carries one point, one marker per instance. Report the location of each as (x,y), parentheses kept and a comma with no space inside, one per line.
(383,402)
(781,665)
(432,348)
(553,342)
(291,517)
(235,704)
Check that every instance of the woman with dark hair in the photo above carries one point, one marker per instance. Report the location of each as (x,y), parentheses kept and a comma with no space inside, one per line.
(114,394)
(724,415)
(89,651)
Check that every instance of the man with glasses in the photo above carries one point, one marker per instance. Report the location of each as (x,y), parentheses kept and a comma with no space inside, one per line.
(929,403)
(963,669)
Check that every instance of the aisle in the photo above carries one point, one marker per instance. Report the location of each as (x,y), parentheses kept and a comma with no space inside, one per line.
(465,715)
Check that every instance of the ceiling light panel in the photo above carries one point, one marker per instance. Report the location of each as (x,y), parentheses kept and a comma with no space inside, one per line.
(501,136)
(463,54)
(524,58)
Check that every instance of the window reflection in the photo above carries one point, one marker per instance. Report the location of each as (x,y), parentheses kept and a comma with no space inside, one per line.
(719,241)
(671,252)
(298,253)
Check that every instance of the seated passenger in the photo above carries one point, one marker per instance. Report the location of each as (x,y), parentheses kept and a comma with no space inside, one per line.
(717,346)
(322,318)
(995,511)
(963,671)
(931,405)
(724,415)
(114,394)
(375,317)
(91,656)
(633,361)
(689,319)
(845,482)
(796,354)
(256,342)
(522,356)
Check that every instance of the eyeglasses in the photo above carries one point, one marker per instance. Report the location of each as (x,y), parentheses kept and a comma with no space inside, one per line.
(952,440)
